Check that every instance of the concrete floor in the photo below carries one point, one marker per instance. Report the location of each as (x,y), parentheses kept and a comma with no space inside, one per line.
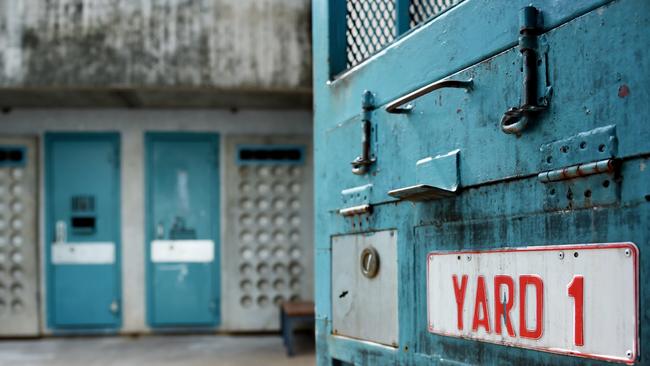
(166,350)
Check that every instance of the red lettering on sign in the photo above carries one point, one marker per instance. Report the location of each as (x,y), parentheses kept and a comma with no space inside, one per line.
(502,308)
(524,282)
(481,300)
(576,290)
(459,291)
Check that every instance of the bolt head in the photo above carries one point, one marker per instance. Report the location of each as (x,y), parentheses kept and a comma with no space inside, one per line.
(628,252)
(468,257)
(560,255)
(628,353)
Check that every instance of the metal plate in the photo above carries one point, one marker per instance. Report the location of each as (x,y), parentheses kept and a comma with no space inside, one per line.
(83,253)
(365,307)
(182,251)
(461,286)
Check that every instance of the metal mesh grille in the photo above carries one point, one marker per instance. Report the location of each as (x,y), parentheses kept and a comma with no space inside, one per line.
(421,10)
(370,26)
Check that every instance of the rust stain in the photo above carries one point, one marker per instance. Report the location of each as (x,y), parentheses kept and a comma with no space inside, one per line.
(623,91)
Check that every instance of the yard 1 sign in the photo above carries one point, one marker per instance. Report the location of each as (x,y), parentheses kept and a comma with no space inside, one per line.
(578,300)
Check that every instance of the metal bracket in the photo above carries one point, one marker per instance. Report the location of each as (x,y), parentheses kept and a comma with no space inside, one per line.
(361,163)
(515,119)
(436,177)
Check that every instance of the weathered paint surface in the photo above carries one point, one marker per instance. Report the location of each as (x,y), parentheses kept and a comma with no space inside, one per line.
(595,52)
(222,44)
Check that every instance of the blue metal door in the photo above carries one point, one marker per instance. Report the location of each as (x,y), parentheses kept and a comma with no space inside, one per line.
(471,128)
(82,230)
(183,229)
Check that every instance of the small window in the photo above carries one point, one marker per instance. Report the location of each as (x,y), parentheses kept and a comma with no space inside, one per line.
(270,154)
(83,225)
(13,156)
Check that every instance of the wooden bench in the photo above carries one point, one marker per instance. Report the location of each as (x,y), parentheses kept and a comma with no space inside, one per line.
(292,314)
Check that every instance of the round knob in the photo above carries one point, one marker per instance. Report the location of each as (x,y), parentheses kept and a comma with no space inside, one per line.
(369,262)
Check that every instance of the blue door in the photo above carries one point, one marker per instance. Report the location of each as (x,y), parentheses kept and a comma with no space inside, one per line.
(446,131)
(82,230)
(182,230)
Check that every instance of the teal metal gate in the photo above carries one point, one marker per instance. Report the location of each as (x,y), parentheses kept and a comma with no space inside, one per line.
(472,156)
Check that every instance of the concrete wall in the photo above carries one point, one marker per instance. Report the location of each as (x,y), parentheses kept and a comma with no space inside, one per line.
(132,124)
(204,47)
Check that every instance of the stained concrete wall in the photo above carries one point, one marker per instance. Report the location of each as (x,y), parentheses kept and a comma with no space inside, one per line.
(215,50)
(132,124)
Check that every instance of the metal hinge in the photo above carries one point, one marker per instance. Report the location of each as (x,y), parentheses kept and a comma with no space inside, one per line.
(579,170)
(587,153)
(356,200)
(355,210)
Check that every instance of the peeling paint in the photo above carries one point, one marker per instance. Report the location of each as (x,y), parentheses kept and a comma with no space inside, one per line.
(623,91)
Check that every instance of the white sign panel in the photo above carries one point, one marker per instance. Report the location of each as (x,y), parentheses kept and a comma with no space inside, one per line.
(182,251)
(578,300)
(83,253)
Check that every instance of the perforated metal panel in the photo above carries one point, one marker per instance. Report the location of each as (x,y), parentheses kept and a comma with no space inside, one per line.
(18,237)
(422,10)
(370,26)
(268,228)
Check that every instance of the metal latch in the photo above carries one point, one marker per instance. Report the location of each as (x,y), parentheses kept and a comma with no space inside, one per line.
(114,307)
(362,163)
(515,119)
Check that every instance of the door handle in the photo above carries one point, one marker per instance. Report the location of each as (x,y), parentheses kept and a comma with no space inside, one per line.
(396,105)
(160,231)
(60,232)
